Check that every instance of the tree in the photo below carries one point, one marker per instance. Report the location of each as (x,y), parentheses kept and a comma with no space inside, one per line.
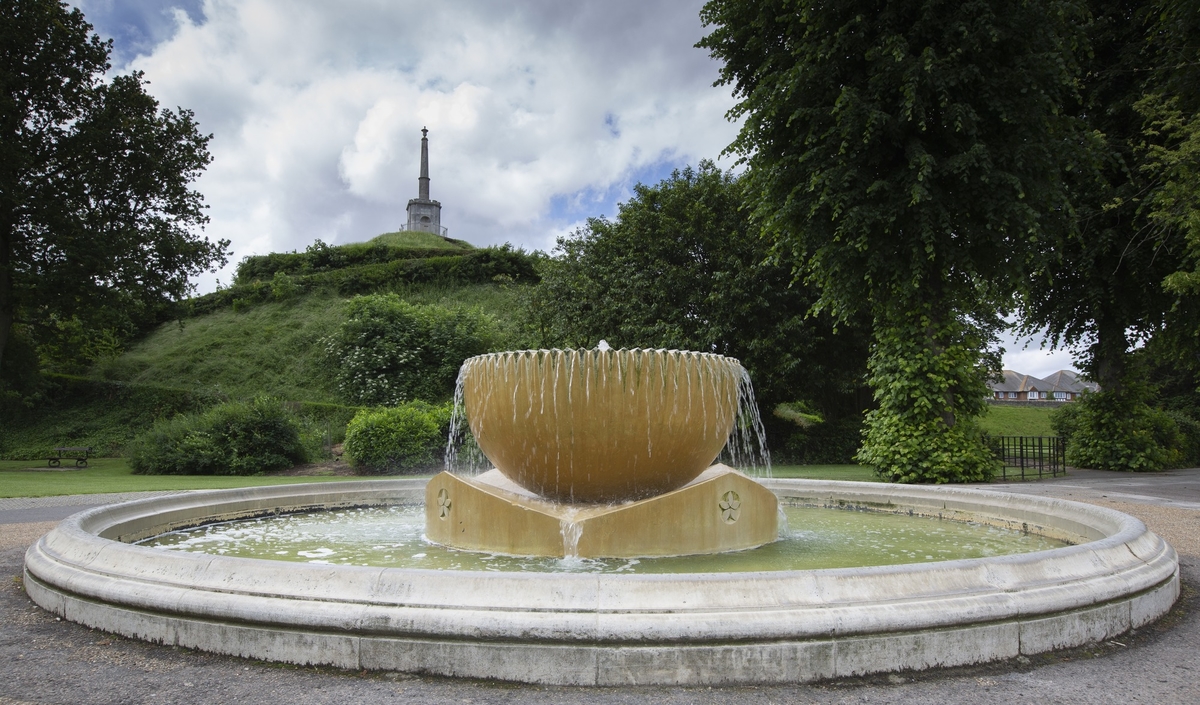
(907,155)
(1171,150)
(682,267)
(96,214)
(1100,287)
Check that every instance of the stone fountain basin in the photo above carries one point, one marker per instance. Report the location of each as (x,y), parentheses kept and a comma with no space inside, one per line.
(601,425)
(606,629)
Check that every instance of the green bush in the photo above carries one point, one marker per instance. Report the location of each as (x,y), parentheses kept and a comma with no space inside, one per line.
(398,439)
(320,257)
(389,351)
(931,389)
(1108,431)
(1189,438)
(236,438)
(321,426)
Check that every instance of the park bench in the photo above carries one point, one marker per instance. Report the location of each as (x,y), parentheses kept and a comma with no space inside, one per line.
(77,453)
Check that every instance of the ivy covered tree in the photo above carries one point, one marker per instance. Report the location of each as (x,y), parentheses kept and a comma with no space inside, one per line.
(97,220)
(908,156)
(681,266)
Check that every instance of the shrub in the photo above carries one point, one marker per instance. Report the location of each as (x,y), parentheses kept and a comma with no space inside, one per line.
(1189,438)
(1109,431)
(321,426)
(398,439)
(236,438)
(389,351)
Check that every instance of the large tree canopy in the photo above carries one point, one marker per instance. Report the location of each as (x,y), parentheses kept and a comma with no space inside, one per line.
(97,220)
(1100,288)
(682,267)
(908,155)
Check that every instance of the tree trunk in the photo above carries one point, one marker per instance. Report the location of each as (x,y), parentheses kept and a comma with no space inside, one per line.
(7,297)
(1108,363)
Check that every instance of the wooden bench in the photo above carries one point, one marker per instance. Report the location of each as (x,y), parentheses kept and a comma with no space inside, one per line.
(77,453)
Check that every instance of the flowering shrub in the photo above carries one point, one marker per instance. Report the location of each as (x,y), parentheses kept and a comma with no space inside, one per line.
(389,351)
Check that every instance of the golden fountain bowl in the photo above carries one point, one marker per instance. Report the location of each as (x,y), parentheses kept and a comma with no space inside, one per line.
(601,425)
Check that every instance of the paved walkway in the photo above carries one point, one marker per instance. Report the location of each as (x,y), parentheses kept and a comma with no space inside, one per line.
(43,660)
(23,510)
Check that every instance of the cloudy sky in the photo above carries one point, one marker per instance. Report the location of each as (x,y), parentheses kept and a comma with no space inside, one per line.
(541,113)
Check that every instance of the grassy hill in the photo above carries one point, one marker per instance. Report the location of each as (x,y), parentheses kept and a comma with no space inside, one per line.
(264,335)
(1019,420)
(276,347)
(415,239)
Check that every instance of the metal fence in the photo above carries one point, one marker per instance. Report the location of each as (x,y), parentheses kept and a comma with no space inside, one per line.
(1029,457)
(442,230)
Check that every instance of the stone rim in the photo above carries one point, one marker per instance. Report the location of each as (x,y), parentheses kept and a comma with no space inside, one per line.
(462,622)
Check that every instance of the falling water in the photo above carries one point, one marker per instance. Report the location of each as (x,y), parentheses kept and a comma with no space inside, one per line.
(463,456)
(746,448)
(649,379)
(571,531)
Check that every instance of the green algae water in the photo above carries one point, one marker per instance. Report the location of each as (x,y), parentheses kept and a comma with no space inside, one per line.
(393,537)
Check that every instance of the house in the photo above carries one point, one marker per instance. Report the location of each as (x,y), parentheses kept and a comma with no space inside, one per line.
(1066,385)
(1063,385)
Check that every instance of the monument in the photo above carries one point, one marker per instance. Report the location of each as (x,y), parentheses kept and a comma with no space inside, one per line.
(425,214)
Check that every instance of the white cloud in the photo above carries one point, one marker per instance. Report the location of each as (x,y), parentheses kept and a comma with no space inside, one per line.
(540,113)
(1031,355)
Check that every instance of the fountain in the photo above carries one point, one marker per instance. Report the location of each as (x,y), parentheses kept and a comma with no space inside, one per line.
(603,461)
(601,453)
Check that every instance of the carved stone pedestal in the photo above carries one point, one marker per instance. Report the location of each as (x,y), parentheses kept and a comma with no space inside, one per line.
(721,510)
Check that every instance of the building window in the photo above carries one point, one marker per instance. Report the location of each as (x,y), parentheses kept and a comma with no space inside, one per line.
(1060,395)
(1012,395)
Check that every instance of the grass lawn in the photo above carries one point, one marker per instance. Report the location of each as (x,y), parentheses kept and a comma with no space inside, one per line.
(273,348)
(416,238)
(114,475)
(857,473)
(1019,420)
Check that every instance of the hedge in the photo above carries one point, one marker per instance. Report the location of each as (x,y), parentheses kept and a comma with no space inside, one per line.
(475,267)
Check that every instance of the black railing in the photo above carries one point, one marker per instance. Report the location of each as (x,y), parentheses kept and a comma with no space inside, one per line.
(1029,457)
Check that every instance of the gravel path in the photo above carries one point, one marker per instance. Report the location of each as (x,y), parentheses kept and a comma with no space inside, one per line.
(44,660)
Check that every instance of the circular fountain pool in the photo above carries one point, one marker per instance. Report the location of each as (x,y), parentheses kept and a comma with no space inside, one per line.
(811,538)
(612,628)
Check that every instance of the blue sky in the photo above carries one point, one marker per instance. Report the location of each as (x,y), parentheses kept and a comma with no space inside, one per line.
(540,113)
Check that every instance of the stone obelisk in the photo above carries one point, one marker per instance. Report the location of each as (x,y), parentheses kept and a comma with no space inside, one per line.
(425,214)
